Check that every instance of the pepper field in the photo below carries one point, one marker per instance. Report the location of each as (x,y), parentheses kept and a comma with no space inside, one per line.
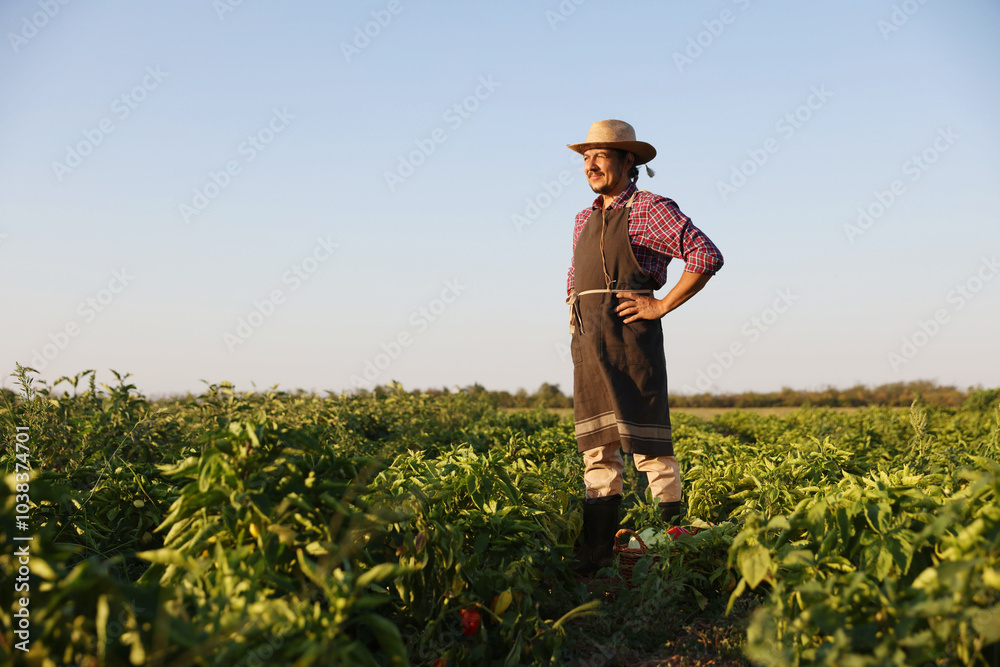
(397,528)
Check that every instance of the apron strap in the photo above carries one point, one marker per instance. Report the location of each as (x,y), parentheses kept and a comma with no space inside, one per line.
(628,205)
(575,317)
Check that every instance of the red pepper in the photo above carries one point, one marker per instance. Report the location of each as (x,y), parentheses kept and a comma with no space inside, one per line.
(471,621)
(677,531)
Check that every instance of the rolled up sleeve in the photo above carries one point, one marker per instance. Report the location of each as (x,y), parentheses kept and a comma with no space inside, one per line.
(700,255)
(670,233)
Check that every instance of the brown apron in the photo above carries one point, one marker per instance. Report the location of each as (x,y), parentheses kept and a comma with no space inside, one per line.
(619,370)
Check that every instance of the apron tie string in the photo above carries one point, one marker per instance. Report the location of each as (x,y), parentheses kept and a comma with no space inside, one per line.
(576,316)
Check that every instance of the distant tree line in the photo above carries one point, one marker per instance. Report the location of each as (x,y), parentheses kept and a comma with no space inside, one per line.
(896,394)
(546,396)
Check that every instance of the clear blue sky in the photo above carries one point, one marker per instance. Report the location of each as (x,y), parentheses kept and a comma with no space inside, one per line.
(170,169)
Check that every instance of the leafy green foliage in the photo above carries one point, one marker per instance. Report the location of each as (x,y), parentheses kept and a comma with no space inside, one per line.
(894,565)
(288,528)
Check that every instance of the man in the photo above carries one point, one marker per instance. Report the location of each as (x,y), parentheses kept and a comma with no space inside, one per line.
(621,247)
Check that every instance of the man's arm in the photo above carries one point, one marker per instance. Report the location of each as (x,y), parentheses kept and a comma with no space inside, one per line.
(640,307)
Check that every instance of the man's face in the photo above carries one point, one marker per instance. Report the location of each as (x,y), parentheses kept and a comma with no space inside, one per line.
(605,169)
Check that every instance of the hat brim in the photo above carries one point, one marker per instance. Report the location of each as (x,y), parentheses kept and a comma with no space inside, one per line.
(643,152)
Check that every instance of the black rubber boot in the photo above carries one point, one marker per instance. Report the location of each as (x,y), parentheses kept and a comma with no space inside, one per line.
(600,523)
(671,512)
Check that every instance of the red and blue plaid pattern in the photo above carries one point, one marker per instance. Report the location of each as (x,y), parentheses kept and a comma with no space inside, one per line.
(659,232)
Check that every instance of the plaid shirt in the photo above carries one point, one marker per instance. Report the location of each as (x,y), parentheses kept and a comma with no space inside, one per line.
(658,232)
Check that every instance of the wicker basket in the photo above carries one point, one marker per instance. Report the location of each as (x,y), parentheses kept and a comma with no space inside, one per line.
(628,557)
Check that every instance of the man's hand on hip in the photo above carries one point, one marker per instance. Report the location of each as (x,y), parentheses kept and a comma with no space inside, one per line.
(639,307)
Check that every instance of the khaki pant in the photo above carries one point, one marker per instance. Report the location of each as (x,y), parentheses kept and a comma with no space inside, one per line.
(604,467)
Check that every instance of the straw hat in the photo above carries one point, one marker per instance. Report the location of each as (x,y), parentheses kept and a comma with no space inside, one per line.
(615,134)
